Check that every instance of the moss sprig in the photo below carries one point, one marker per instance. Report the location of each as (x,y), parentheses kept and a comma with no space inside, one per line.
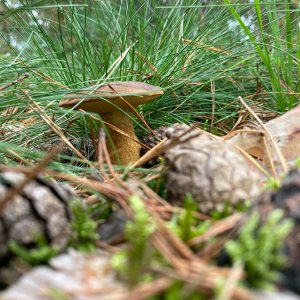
(259,248)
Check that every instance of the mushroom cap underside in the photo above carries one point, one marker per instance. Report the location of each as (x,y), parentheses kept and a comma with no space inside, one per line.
(111,96)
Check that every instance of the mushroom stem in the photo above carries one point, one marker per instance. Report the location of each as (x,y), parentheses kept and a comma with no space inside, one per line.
(123,150)
(108,101)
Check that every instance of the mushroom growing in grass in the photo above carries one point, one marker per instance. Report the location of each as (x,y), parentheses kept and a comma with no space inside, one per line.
(114,102)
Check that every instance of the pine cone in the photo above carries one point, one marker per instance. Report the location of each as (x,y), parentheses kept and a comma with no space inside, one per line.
(211,171)
(41,209)
(287,198)
(152,141)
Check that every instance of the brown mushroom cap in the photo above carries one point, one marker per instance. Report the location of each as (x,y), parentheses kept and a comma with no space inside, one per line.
(109,97)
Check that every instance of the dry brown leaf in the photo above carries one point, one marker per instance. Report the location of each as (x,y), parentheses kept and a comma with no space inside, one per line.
(285,131)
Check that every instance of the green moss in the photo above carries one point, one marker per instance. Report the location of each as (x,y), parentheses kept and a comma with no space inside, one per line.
(259,248)
(40,254)
(84,228)
(186,225)
(133,262)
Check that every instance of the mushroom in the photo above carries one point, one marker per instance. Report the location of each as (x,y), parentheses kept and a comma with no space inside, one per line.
(114,102)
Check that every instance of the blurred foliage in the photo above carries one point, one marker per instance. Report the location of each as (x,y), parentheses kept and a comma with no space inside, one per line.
(84,228)
(259,248)
(186,225)
(133,262)
(41,253)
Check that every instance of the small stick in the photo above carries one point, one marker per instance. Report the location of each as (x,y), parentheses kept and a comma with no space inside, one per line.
(177,244)
(13,82)
(281,158)
(115,129)
(42,75)
(146,61)
(53,126)
(253,161)
(101,140)
(156,151)
(231,282)
(216,229)
(166,144)
(235,132)
(95,145)
(270,158)
(147,289)
(104,152)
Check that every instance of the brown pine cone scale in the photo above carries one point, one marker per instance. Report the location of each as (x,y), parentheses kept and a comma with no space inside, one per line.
(40,210)
(210,170)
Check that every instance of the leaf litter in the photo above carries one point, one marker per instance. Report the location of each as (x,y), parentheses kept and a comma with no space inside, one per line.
(275,149)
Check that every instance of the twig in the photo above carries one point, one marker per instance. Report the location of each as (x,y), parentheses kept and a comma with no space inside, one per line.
(187,267)
(245,153)
(275,145)
(253,161)
(115,128)
(235,132)
(13,82)
(94,141)
(104,155)
(166,144)
(216,229)
(101,158)
(145,290)
(42,75)
(231,282)
(156,151)
(53,126)
(270,158)
(146,61)
(177,244)
(15,156)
